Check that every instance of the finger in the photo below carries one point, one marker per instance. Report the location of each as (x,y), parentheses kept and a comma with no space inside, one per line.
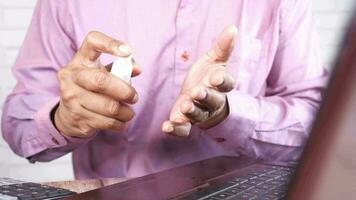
(224,45)
(177,129)
(102,122)
(83,123)
(96,43)
(208,98)
(178,123)
(106,106)
(137,70)
(96,64)
(221,80)
(194,112)
(101,81)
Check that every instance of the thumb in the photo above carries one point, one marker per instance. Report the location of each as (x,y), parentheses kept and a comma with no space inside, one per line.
(224,45)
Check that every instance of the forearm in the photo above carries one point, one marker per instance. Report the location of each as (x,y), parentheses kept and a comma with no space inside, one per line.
(30,133)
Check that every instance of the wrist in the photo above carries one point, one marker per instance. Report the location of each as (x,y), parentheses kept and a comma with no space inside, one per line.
(56,120)
(53,115)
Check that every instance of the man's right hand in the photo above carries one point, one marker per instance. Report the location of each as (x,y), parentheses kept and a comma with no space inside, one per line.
(91,98)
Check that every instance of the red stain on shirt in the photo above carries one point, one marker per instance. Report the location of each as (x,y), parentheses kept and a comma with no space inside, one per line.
(185,56)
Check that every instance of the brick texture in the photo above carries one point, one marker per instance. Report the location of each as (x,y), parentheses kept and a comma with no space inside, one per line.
(15,16)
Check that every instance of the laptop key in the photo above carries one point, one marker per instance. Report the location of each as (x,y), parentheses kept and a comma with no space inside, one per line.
(268,198)
(256,182)
(6,197)
(278,193)
(24,195)
(250,176)
(245,197)
(221,195)
(28,191)
(257,191)
(277,182)
(6,191)
(210,198)
(40,196)
(201,194)
(271,197)
(234,191)
(245,186)
(238,181)
(266,184)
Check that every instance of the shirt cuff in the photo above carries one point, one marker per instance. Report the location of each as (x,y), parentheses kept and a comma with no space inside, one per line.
(48,133)
(236,130)
(243,113)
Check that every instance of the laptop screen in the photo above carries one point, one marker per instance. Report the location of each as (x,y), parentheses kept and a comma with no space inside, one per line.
(328,165)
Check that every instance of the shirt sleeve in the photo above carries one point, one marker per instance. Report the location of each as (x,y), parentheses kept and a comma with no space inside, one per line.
(26,121)
(276,125)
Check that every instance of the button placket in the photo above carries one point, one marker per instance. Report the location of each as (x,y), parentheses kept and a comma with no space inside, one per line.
(183,48)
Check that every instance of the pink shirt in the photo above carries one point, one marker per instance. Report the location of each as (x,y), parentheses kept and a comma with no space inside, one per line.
(276,63)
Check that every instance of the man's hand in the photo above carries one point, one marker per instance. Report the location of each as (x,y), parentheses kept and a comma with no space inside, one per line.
(202,100)
(92,98)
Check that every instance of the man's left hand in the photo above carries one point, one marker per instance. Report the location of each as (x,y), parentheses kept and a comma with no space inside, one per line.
(202,100)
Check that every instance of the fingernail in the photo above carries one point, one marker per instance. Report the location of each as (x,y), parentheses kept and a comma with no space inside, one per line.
(221,81)
(191,108)
(125,49)
(182,130)
(202,95)
(135,99)
(233,29)
(168,128)
(218,82)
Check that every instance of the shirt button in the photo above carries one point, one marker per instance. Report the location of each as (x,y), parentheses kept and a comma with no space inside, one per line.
(185,56)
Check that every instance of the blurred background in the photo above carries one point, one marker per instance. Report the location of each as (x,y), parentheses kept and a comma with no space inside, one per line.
(15,15)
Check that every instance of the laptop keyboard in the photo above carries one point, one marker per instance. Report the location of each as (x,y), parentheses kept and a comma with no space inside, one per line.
(267,184)
(18,190)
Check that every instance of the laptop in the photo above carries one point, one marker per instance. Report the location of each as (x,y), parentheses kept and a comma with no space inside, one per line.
(327,169)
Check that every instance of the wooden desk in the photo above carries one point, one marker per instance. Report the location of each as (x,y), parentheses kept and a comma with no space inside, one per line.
(81,186)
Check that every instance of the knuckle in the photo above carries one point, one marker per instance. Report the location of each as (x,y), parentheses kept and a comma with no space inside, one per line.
(102,80)
(112,44)
(63,74)
(218,70)
(68,95)
(91,37)
(221,68)
(113,107)
(195,91)
(85,131)
(75,117)
(208,55)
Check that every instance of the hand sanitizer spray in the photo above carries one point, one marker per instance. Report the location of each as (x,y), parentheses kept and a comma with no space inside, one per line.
(122,68)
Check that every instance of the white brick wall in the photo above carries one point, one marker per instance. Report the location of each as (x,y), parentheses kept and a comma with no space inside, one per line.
(331,17)
(15,16)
